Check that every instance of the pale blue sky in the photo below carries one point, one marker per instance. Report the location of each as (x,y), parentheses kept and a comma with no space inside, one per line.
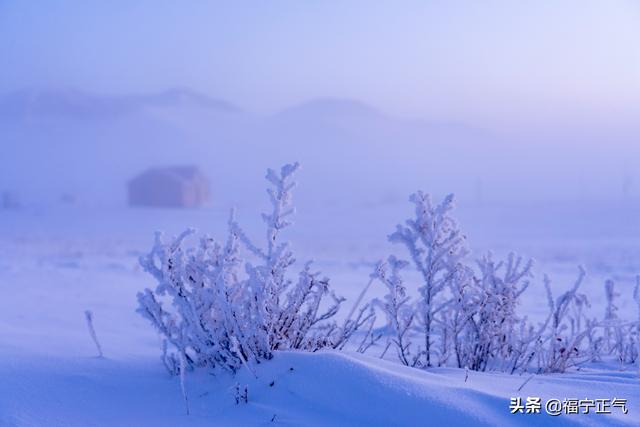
(477,61)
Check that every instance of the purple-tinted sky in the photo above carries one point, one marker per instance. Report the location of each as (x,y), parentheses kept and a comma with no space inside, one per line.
(488,62)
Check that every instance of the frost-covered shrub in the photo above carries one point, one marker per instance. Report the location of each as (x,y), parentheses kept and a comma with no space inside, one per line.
(461,312)
(566,331)
(436,246)
(574,338)
(232,303)
(620,337)
(399,313)
(456,319)
(228,304)
(467,315)
(492,327)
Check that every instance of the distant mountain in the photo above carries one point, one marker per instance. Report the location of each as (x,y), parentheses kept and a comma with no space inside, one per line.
(89,145)
(30,103)
(182,97)
(72,142)
(331,108)
(354,121)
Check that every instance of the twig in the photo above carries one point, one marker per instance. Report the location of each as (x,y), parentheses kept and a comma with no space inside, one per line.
(183,387)
(526,381)
(89,316)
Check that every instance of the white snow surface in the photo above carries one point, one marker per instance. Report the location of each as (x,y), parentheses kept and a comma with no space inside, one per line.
(57,262)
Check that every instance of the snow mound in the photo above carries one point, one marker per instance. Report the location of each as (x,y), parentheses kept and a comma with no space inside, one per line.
(293,389)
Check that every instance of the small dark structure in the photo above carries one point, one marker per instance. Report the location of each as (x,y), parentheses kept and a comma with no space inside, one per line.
(173,186)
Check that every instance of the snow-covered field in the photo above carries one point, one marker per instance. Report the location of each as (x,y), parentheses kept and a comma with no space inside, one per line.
(56,262)
(526,111)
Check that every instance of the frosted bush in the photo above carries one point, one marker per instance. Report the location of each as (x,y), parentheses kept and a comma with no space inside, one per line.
(620,337)
(566,331)
(399,313)
(467,315)
(493,320)
(233,303)
(229,304)
(436,247)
